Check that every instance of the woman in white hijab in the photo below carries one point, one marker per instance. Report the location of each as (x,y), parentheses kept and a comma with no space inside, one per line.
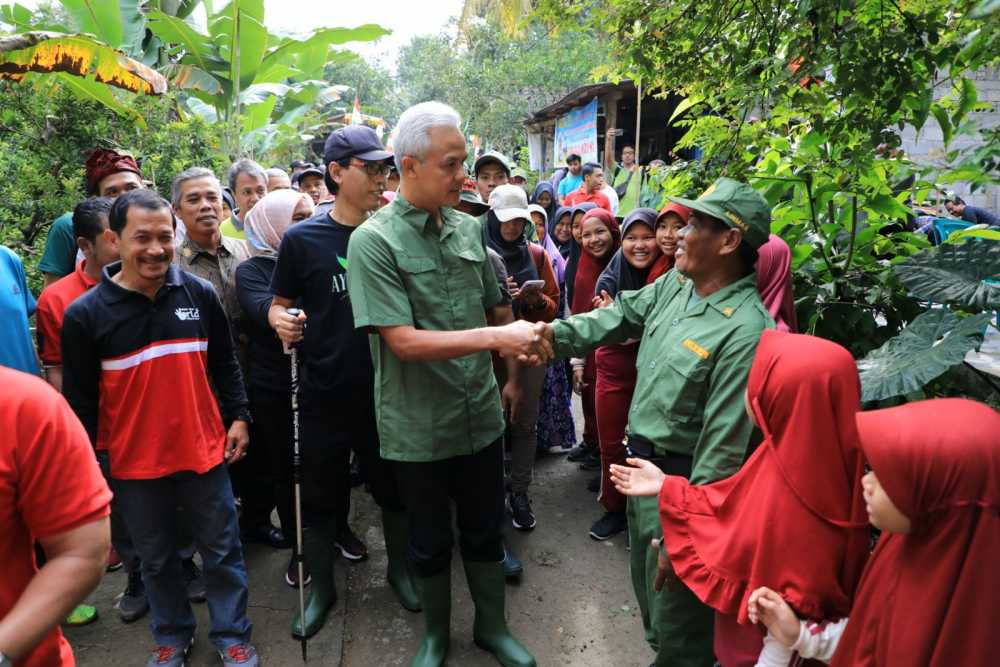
(266,474)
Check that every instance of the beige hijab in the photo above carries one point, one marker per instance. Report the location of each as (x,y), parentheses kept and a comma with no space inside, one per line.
(267,221)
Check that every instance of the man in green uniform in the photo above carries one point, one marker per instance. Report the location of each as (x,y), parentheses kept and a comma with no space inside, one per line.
(420,282)
(699,326)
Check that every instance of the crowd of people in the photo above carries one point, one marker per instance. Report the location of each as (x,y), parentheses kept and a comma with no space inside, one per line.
(392,318)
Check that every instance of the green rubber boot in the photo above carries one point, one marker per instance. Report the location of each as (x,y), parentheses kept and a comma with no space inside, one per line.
(396,532)
(317,545)
(435,598)
(490,631)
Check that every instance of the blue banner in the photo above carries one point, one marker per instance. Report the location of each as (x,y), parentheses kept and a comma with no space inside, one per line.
(576,132)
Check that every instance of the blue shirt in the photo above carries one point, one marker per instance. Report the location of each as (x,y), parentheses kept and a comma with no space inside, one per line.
(979,216)
(568,184)
(16,305)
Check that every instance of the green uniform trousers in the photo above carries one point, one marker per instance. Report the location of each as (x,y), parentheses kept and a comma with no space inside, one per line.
(678,626)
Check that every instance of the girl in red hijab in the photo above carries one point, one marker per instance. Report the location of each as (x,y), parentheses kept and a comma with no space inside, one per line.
(599,240)
(931,586)
(629,269)
(774,283)
(793,517)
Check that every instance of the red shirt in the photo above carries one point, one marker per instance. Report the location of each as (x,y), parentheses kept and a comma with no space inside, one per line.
(49,483)
(581,196)
(52,304)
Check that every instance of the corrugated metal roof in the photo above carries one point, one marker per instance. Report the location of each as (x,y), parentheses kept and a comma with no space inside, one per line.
(577,97)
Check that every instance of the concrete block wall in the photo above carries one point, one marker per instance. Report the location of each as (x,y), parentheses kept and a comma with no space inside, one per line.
(927,147)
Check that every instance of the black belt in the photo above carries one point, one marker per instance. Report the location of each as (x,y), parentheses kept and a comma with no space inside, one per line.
(671,464)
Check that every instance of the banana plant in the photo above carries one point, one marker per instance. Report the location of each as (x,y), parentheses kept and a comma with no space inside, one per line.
(240,75)
(104,45)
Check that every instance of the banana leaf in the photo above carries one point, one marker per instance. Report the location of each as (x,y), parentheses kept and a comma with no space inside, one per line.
(956,274)
(932,343)
(78,55)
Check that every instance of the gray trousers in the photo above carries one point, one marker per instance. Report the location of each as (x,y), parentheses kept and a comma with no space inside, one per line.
(523,436)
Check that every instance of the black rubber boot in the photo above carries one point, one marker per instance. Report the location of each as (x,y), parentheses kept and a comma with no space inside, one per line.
(490,631)
(395,530)
(435,598)
(317,545)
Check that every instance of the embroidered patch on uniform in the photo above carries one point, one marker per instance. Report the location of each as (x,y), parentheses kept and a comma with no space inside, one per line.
(727,311)
(187,314)
(737,220)
(681,279)
(697,349)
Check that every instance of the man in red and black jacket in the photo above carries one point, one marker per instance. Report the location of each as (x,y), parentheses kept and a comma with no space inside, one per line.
(138,350)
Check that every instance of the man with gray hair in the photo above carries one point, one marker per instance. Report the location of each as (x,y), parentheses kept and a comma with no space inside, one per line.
(197,201)
(196,196)
(278,179)
(420,281)
(248,182)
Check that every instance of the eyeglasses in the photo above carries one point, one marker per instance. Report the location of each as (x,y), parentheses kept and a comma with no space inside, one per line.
(374,169)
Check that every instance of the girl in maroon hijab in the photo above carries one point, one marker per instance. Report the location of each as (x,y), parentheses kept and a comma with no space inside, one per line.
(629,269)
(774,283)
(793,517)
(599,239)
(930,590)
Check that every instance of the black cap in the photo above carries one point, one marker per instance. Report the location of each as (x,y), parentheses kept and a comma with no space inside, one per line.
(308,171)
(358,141)
(298,164)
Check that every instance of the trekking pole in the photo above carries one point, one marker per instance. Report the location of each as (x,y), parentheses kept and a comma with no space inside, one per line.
(297,481)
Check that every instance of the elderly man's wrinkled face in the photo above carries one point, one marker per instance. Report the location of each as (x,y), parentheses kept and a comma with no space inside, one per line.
(437,179)
(200,206)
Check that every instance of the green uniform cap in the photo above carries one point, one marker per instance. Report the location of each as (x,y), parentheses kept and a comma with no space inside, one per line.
(736,204)
(492,156)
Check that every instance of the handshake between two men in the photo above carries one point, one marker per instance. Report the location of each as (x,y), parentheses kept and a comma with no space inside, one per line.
(529,343)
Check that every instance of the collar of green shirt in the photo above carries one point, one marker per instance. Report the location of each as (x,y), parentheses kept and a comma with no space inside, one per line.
(418,218)
(726,300)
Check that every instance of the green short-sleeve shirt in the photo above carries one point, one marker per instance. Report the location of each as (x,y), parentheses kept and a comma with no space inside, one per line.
(59,257)
(407,271)
(692,367)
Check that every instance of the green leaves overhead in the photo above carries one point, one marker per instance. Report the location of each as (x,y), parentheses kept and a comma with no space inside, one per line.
(78,55)
(931,344)
(955,274)
(196,48)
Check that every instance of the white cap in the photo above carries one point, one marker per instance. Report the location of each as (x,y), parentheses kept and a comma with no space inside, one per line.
(509,202)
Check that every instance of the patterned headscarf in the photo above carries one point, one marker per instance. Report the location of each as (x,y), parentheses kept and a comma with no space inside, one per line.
(267,221)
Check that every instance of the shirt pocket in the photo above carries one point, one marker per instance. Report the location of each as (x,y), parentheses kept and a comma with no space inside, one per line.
(687,373)
(422,280)
(469,274)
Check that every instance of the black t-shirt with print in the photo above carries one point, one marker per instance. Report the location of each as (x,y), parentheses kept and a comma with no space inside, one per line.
(312,270)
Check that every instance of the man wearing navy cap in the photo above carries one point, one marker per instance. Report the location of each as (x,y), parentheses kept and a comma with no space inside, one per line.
(310,181)
(337,387)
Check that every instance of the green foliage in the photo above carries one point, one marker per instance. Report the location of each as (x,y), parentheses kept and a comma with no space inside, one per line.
(965,275)
(806,101)
(929,345)
(45,137)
